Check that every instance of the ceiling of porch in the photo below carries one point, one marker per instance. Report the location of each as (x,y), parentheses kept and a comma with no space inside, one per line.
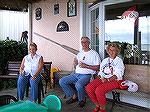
(112,11)
(16,5)
(142,6)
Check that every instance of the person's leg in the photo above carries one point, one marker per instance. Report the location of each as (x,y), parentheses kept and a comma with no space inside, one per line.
(83,80)
(65,82)
(90,89)
(102,90)
(34,88)
(21,84)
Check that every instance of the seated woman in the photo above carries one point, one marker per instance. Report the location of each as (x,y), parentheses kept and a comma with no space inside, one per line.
(30,69)
(111,70)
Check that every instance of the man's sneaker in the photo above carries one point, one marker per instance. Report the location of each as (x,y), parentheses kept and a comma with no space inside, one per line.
(71,100)
(82,103)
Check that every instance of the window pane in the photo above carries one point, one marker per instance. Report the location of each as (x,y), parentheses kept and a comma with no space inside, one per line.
(122,31)
(95,29)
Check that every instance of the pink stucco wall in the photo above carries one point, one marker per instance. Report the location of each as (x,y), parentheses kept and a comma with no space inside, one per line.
(47,27)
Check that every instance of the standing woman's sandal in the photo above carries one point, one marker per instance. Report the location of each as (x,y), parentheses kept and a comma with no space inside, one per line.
(96,109)
(102,111)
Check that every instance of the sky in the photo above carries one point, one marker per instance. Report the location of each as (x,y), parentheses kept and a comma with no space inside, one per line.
(123,31)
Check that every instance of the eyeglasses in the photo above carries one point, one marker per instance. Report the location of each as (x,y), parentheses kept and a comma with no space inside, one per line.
(84,41)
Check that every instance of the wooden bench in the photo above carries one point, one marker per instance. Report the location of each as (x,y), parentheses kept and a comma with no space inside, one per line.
(13,68)
(139,74)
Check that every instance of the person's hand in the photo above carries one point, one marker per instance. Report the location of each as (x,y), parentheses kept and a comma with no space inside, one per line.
(75,62)
(104,80)
(114,77)
(22,72)
(82,65)
(34,77)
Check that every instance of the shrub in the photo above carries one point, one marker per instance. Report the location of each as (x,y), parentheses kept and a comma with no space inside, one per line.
(11,50)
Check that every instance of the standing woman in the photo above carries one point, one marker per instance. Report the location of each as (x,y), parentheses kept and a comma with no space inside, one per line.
(111,70)
(30,69)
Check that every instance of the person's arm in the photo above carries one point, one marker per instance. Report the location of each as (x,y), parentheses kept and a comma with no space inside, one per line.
(118,71)
(100,73)
(40,67)
(114,77)
(95,66)
(92,67)
(75,62)
(22,67)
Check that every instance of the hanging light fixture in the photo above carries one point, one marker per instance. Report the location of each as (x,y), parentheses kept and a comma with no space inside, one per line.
(62,26)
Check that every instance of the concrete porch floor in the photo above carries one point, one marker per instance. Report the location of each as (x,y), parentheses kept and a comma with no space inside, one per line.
(74,107)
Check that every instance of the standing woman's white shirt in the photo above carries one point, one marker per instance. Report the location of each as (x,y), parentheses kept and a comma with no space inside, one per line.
(31,64)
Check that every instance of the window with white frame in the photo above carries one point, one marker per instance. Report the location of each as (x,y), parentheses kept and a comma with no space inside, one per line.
(95,29)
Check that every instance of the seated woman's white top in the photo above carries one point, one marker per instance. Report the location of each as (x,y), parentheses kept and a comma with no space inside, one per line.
(110,67)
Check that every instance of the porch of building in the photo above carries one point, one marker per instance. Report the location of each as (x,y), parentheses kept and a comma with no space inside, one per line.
(74,107)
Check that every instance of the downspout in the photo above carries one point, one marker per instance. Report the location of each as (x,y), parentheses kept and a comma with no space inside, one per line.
(30,24)
(83,23)
(102,32)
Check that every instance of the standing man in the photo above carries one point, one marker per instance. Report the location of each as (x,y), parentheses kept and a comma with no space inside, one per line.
(87,63)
